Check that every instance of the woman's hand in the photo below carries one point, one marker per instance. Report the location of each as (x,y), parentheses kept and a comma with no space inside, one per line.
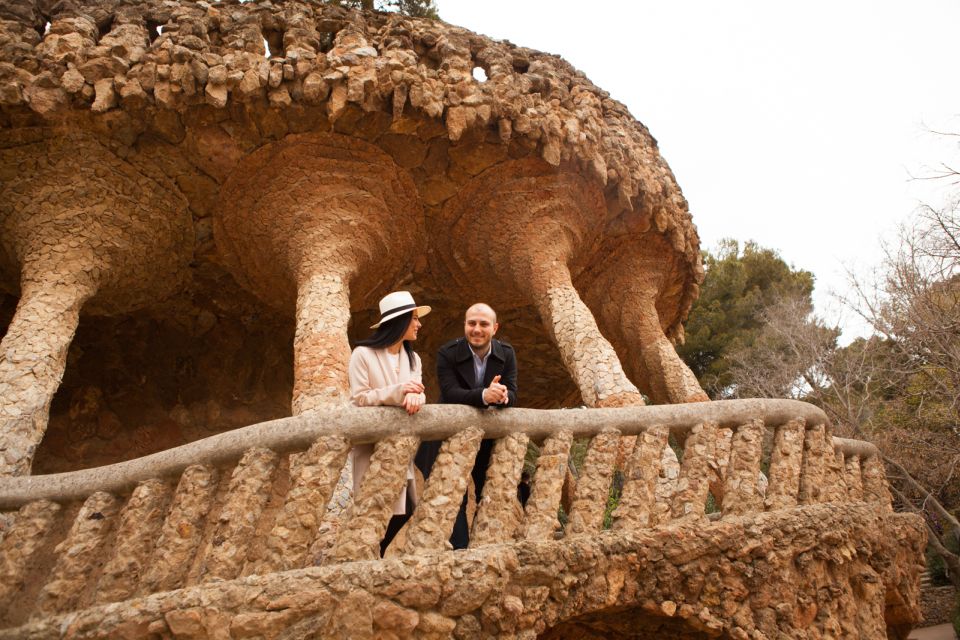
(412,402)
(412,386)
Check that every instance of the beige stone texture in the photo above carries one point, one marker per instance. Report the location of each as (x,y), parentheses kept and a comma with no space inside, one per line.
(786,459)
(140,522)
(233,535)
(741,491)
(203,113)
(30,530)
(499,513)
(683,580)
(698,464)
(195,223)
(853,477)
(182,530)
(875,487)
(836,484)
(105,232)
(593,486)
(544,220)
(312,479)
(79,555)
(481,592)
(365,522)
(540,521)
(637,507)
(303,221)
(634,319)
(431,525)
(812,472)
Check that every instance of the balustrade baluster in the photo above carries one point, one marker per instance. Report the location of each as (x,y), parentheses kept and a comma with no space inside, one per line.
(249,490)
(430,527)
(834,489)
(499,512)
(812,470)
(365,522)
(741,493)
(540,518)
(312,482)
(637,502)
(593,486)
(140,523)
(78,554)
(875,488)
(785,461)
(693,485)
(853,478)
(32,525)
(182,530)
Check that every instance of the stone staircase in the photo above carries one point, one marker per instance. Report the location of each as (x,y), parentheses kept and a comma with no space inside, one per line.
(221,538)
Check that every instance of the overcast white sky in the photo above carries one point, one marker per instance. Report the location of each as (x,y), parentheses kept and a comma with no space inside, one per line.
(798,125)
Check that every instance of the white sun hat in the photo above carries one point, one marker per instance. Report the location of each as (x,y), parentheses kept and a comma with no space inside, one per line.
(396,304)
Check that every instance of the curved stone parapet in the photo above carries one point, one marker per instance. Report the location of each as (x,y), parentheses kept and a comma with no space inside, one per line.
(838,562)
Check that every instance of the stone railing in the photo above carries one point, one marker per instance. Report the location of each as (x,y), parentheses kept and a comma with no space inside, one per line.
(253,501)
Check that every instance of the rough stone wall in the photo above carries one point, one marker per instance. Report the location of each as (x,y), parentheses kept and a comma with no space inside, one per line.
(692,580)
(187,95)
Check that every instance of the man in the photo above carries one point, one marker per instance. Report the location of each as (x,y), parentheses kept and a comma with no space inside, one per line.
(480,371)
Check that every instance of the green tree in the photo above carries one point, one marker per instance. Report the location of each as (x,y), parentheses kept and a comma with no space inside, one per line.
(738,287)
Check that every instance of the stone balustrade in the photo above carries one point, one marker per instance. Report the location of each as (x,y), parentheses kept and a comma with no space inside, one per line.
(253,501)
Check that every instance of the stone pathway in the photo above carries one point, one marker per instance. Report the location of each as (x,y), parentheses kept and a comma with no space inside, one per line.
(938,632)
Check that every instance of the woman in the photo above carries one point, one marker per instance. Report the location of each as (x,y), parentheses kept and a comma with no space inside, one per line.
(385,370)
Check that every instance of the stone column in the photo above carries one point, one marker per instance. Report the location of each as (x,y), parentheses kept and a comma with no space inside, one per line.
(320,348)
(311,223)
(33,356)
(521,227)
(588,356)
(101,234)
(639,273)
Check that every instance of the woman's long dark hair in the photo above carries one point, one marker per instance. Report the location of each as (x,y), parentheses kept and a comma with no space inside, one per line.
(389,333)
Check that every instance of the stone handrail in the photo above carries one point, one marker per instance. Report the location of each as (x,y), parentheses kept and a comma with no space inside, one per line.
(434,422)
(255,501)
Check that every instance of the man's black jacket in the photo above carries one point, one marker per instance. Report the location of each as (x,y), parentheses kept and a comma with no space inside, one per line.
(458,383)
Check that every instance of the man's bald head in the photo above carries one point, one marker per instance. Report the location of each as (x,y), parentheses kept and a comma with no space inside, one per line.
(482,307)
(479,326)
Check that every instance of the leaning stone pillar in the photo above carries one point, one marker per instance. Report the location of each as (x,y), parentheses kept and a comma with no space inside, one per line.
(310,223)
(83,230)
(587,355)
(522,227)
(639,272)
(33,356)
